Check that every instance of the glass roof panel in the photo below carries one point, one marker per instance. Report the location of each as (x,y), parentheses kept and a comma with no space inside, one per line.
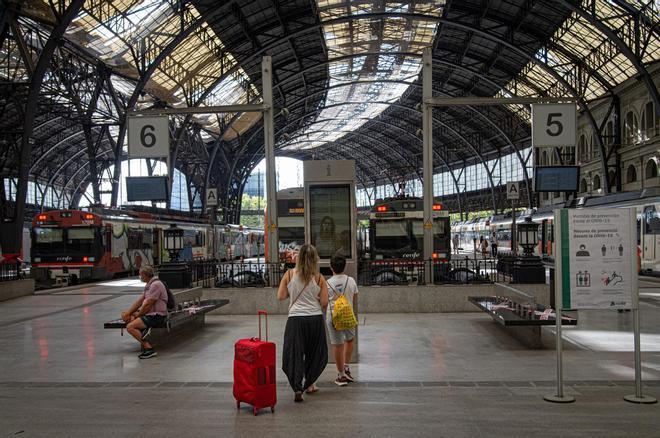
(578,40)
(369,68)
(116,30)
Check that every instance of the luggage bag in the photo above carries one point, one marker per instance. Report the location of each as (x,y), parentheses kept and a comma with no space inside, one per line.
(254,371)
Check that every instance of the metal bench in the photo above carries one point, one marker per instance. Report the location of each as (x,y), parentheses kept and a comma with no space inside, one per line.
(522,320)
(189,314)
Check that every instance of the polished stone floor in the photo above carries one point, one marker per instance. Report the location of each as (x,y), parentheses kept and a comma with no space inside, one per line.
(62,374)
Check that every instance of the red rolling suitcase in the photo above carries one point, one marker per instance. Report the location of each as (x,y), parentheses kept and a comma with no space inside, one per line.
(254,371)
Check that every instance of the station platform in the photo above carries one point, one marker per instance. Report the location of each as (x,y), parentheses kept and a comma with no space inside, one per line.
(432,374)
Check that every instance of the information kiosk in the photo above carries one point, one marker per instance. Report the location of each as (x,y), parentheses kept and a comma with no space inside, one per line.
(330,218)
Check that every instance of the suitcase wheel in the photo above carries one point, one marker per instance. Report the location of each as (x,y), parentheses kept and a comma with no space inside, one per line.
(255,411)
(272,409)
(238,405)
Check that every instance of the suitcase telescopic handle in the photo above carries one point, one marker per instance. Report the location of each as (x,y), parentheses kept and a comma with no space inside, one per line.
(263,312)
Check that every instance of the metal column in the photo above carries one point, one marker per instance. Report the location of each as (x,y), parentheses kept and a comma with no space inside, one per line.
(427,157)
(269,146)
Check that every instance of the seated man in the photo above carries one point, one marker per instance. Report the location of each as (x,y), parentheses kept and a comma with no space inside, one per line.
(149,311)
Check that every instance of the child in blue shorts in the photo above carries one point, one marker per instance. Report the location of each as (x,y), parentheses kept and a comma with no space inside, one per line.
(342,340)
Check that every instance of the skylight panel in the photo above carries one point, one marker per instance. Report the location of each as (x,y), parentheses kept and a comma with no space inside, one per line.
(374,37)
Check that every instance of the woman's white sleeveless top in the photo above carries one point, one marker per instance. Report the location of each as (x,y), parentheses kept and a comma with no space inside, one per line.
(308,304)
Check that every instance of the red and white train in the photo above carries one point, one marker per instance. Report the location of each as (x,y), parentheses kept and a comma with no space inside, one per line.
(69,246)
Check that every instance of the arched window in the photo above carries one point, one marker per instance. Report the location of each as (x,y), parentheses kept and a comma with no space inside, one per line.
(631,128)
(611,178)
(583,186)
(631,174)
(582,148)
(596,182)
(648,120)
(593,147)
(651,170)
(609,133)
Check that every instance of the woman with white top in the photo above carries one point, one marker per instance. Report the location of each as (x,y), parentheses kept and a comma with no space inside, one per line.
(305,352)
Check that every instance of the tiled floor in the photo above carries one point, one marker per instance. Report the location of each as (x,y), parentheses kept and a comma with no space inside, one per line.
(419,375)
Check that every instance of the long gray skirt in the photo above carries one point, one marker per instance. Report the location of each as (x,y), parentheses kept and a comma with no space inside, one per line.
(305,352)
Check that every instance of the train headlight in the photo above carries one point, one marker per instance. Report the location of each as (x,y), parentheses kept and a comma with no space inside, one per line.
(91,259)
(37,259)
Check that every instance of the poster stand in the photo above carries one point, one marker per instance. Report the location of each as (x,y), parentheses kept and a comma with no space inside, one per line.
(602,236)
(559,396)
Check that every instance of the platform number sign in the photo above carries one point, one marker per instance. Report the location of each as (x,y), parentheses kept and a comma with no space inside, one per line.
(512,191)
(211,197)
(554,124)
(148,137)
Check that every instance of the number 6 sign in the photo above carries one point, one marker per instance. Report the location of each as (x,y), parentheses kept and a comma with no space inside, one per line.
(148,137)
(554,124)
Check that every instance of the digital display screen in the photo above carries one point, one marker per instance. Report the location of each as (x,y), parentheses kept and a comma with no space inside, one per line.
(556,178)
(330,220)
(290,207)
(146,188)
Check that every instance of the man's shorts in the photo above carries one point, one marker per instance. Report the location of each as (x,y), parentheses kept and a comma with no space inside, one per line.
(154,321)
(338,337)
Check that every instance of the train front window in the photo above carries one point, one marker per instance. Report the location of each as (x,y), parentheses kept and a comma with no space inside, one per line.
(81,240)
(391,235)
(48,240)
(292,237)
(440,231)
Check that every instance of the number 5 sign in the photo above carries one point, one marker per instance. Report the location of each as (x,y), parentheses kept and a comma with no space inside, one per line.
(554,124)
(148,137)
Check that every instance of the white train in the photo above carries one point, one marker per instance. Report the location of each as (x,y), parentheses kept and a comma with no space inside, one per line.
(646,202)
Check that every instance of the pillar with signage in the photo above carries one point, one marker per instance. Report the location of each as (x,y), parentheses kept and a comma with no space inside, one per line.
(596,268)
(330,217)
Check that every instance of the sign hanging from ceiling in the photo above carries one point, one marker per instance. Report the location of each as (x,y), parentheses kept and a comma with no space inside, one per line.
(148,137)
(554,124)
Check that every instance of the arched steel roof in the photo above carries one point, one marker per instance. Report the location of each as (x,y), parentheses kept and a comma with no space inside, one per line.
(346,71)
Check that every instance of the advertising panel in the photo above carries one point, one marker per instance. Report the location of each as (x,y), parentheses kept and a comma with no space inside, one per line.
(330,219)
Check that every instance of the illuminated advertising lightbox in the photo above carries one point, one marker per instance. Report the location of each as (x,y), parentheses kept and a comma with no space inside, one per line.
(330,219)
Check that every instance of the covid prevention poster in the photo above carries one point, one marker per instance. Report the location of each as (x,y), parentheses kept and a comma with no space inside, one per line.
(596,258)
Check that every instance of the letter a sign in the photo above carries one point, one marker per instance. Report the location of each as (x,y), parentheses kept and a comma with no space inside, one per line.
(512,191)
(211,197)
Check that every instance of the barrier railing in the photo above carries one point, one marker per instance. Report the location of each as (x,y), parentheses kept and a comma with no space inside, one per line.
(250,274)
(204,272)
(463,270)
(10,271)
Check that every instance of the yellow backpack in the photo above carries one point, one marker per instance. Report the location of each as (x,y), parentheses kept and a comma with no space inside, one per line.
(343,317)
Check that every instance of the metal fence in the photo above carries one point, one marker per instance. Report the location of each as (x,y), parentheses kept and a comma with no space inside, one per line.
(250,274)
(10,271)
(403,272)
(370,273)
(203,272)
